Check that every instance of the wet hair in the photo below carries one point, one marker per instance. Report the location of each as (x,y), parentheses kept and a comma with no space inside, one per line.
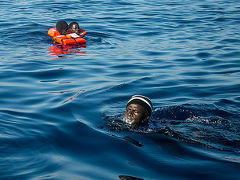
(62,27)
(143,101)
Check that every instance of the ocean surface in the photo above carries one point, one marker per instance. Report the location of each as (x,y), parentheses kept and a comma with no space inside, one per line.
(61,108)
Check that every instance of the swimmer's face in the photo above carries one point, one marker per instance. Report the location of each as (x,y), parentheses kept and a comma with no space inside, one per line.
(135,114)
(75,28)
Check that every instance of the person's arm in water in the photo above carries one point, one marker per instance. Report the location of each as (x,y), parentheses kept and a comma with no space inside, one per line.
(82,32)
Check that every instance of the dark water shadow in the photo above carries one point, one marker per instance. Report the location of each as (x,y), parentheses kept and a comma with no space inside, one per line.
(203,125)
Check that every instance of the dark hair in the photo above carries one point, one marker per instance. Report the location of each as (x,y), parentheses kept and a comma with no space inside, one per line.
(62,27)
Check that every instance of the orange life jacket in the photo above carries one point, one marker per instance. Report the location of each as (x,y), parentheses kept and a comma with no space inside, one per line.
(65,39)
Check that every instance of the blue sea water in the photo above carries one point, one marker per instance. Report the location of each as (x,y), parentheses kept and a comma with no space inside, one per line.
(61,109)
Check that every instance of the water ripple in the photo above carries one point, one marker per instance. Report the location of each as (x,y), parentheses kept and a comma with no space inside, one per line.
(60,105)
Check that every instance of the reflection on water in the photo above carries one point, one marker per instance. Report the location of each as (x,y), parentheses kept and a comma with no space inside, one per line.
(60,50)
(183,55)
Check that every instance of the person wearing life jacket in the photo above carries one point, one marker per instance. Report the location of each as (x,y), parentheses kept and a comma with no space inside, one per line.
(74,28)
(62,35)
(138,110)
(62,27)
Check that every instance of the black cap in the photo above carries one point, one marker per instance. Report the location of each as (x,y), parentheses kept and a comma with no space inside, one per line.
(72,23)
(143,101)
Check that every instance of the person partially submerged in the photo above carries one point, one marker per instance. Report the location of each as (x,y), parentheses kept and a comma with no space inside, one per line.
(138,110)
(74,28)
(62,27)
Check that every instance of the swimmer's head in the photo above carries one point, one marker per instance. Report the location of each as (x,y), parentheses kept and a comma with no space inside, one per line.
(62,27)
(74,27)
(138,110)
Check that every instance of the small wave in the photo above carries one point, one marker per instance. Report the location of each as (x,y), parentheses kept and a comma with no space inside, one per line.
(202,124)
